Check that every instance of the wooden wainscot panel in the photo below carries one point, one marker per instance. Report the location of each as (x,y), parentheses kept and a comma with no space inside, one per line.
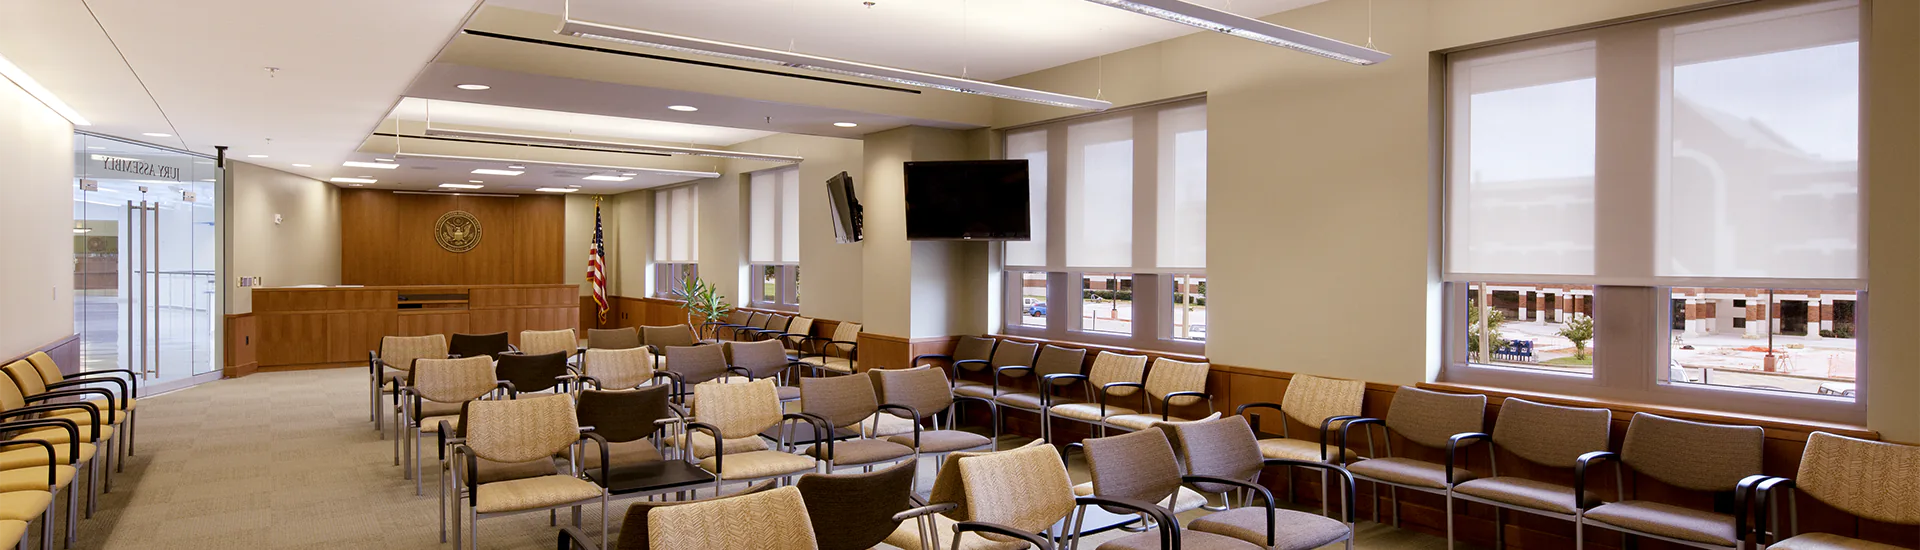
(424,322)
(880,351)
(292,338)
(241,353)
(489,321)
(339,325)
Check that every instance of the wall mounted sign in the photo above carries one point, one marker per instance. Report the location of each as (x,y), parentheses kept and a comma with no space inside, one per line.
(138,167)
(457,231)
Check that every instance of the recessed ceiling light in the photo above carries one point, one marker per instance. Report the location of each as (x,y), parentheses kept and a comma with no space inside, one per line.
(356,185)
(597,177)
(206,162)
(573,186)
(493,172)
(156,134)
(354,180)
(374,165)
(79,230)
(629,174)
(95,147)
(461,186)
(298,165)
(384,160)
(475,181)
(474,87)
(516,167)
(683,108)
(256,156)
(845,124)
(556,190)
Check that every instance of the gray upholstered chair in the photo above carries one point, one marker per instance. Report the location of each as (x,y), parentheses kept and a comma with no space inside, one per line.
(1113,378)
(691,365)
(658,338)
(838,354)
(926,393)
(1141,466)
(1831,470)
(775,326)
(735,318)
(1005,500)
(1552,436)
(613,338)
(1170,383)
(1696,456)
(387,370)
(1426,418)
(970,354)
(754,360)
(1225,449)
(841,402)
(1052,360)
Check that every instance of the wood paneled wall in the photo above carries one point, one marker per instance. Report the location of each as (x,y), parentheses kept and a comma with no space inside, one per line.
(334,326)
(387,238)
(241,356)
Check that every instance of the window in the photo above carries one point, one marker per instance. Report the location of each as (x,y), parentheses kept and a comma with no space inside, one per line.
(676,245)
(773,228)
(1693,178)
(1119,217)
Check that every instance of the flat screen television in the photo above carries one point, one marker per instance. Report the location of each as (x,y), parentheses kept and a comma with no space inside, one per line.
(846,208)
(976,200)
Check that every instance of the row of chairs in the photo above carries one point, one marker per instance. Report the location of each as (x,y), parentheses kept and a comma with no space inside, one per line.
(55,424)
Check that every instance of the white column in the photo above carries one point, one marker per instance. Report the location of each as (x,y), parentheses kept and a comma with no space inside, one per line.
(1560,308)
(1813,318)
(1826,311)
(1691,309)
(1524,297)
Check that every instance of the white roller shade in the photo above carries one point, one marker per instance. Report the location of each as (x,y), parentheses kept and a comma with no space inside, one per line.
(763,228)
(790,216)
(1099,209)
(675,225)
(1182,190)
(1031,146)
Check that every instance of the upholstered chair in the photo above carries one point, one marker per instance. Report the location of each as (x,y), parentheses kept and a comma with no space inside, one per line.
(470,345)
(533,373)
(523,431)
(659,338)
(799,330)
(1426,418)
(1696,456)
(613,338)
(436,391)
(736,318)
(86,406)
(727,412)
(616,369)
(542,342)
(1222,455)
(123,380)
(65,427)
(1141,466)
(1169,384)
(857,511)
(1551,436)
(20,506)
(775,326)
(1051,360)
(1870,479)
(387,369)
(925,393)
(758,322)
(1318,402)
(838,354)
(970,354)
(1112,380)
(762,359)
(841,402)
(1010,361)
(692,365)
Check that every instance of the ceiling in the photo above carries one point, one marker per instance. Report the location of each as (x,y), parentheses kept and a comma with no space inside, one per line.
(198,72)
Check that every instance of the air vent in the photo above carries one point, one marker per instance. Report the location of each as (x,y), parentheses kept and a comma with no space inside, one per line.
(572,173)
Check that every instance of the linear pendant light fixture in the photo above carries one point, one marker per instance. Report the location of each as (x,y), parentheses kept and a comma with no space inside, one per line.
(526,139)
(661,171)
(1196,15)
(742,52)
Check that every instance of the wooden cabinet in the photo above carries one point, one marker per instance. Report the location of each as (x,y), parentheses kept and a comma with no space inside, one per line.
(339,325)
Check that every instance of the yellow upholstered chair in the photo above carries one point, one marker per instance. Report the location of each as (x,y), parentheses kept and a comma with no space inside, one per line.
(129,387)
(436,391)
(838,354)
(387,369)
(29,494)
(1870,479)
(523,431)
(66,427)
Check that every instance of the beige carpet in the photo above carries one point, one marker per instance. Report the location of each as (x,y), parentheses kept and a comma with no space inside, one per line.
(288,460)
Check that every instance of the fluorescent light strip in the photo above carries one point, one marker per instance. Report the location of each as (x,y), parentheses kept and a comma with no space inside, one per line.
(461,186)
(661,171)
(742,52)
(1196,15)
(621,146)
(377,165)
(354,180)
(33,88)
(556,189)
(497,172)
(598,177)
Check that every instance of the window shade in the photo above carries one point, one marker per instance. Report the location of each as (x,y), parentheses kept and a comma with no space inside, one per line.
(773,216)
(1182,192)
(790,215)
(675,224)
(1032,146)
(1099,189)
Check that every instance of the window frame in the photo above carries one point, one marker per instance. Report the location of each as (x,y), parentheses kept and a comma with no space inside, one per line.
(786,286)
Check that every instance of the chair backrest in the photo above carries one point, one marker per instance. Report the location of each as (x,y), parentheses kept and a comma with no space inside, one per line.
(1110,367)
(26,377)
(1137,465)
(1550,435)
(1026,489)
(542,342)
(767,520)
(452,380)
(738,410)
(1009,353)
(624,415)
(1313,399)
(779,322)
(761,358)
(400,351)
(739,317)
(1059,360)
(761,320)
(633,529)
(842,400)
(1871,479)
(469,345)
(619,368)
(662,337)
(1223,447)
(1169,376)
(521,430)
(973,348)
(855,511)
(49,371)
(1430,418)
(613,338)
(802,326)
(531,372)
(1692,455)
(846,332)
(696,364)
(924,389)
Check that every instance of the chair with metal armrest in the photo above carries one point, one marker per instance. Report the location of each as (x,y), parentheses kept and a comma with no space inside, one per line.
(775,327)
(387,370)
(1831,470)
(123,380)
(1424,418)
(613,338)
(542,342)
(437,389)
(1552,436)
(693,365)
(1017,493)
(925,393)
(75,428)
(1170,384)
(33,475)
(521,431)
(857,511)
(616,369)
(473,345)
(1715,459)
(839,354)
(797,331)
(533,373)
(759,322)
(763,359)
(736,318)
(1114,379)
(1052,360)
(659,338)
(970,354)
(843,402)
(1222,456)
(762,517)
(1136,465)
(1010,361)
(745,410)
(1318,402)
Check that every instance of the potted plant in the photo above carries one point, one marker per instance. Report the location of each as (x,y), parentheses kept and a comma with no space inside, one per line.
(703,303)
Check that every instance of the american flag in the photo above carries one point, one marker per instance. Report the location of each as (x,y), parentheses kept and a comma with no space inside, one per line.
(597,265)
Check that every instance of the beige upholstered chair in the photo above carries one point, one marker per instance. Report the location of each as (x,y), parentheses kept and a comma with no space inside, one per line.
(1871,479)
(542,342)
(758,322)
(387,369)
(436,391)
(616,369)
(127,396)
(1425,418)
(736,318)
(613,338)
(1710,458)
(841,402)
(1170,384)
(1113,378)
(970,354)
(926,393)
(775,326)
(1222,455)
(992,501)
(730,412)
(692,365)
(1320,402)
(1051,361)
(759,518)
(522,431)
(800,329)
(1548,435)
(839,354)
(1010,360)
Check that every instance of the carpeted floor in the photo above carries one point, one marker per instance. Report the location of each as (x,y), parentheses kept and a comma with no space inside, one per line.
(289,460)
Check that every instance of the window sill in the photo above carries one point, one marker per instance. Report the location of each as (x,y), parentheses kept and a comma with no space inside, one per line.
(1627,408)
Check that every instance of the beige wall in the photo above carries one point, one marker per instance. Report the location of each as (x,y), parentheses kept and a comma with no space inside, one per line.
(36,149)
(579,233)
(628,253)
(303,249)
(830,272)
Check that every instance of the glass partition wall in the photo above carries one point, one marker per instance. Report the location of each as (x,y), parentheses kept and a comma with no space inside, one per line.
(146,244)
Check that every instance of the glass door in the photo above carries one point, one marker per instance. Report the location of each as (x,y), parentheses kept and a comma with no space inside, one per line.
(145,255)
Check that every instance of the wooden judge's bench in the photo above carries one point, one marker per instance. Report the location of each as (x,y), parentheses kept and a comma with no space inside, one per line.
(335,325)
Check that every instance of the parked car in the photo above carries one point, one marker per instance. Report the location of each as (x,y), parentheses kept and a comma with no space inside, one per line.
(1035,308)
(1677,373)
